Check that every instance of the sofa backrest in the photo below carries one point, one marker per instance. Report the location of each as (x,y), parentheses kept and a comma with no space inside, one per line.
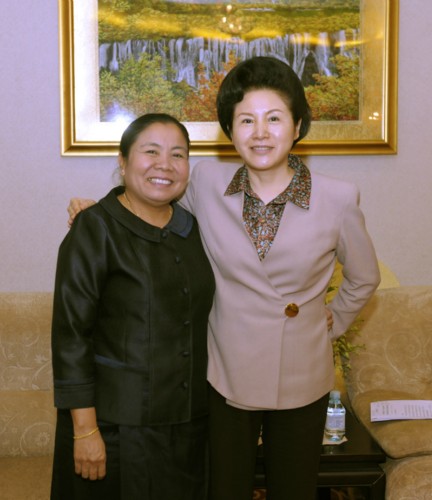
(27,414)
(396,331)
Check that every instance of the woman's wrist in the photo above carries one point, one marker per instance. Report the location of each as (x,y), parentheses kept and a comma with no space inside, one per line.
(84,421)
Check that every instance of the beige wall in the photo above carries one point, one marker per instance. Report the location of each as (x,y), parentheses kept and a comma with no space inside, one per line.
(36,182)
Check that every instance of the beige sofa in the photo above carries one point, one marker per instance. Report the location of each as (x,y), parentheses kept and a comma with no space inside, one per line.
(397,364)
(27,415)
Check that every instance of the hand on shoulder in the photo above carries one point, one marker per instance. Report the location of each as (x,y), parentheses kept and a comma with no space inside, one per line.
(76,205)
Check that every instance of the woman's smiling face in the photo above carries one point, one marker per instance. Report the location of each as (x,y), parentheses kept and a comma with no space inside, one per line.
(156,170)
(263,130)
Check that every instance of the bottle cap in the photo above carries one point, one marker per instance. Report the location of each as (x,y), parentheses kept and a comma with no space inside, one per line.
(335,395)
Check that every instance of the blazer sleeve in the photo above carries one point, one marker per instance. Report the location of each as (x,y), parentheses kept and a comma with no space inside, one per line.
(80,275)
(360,270)
(188,199)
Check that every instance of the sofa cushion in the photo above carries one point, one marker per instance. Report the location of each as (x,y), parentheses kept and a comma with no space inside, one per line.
(27,423)
(25,340)
(25,478)
(398,438)
(409,479)
(396,363)
(396,331)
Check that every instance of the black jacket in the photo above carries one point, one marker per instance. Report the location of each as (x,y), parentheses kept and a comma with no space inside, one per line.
(129,330)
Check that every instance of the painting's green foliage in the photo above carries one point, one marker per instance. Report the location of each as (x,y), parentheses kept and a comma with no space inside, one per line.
(139,88)
(336,98)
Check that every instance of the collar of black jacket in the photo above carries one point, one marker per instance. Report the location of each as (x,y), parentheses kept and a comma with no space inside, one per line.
(181,221)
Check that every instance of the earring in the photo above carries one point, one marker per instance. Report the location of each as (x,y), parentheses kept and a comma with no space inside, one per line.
(122,171)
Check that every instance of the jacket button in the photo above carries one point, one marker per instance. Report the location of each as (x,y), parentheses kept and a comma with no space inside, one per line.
(185,354)
(164,234)
(185,291)
(291,310)
(178,259)
(185,385)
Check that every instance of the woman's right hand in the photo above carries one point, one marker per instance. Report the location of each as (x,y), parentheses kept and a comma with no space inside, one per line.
(90,457)
(75,206)
(89,447)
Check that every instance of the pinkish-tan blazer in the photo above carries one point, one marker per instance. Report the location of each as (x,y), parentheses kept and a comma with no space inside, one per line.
(259,357)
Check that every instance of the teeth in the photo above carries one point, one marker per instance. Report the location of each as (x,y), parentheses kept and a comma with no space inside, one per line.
(159,181)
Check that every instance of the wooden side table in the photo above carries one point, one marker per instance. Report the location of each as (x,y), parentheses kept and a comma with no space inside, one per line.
(353,464)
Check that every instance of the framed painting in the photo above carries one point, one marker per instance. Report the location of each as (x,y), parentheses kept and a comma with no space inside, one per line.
(123,58)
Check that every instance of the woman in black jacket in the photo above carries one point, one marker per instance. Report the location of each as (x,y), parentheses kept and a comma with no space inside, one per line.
(133,292)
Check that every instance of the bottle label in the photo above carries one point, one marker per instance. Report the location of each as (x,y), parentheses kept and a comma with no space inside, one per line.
(336,422)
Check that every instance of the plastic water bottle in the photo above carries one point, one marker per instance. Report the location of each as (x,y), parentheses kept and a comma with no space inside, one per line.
(335,423)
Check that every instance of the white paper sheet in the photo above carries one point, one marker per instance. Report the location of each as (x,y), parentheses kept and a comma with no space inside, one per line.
(401,409)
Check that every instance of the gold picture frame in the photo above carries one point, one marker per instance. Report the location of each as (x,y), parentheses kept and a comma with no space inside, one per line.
(82,134)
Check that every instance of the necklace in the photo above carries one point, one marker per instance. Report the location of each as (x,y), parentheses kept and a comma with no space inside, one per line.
(142,218)
(129,204)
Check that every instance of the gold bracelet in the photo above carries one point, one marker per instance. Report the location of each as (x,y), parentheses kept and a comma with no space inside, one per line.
(87,435)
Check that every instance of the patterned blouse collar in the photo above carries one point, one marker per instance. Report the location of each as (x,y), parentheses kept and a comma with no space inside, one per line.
(297,192)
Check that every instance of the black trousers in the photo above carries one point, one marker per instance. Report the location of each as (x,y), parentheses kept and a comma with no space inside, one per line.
(292,447)
(143,463)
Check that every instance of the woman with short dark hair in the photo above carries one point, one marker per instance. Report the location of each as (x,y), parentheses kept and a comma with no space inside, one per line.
(263,73)
(273,231)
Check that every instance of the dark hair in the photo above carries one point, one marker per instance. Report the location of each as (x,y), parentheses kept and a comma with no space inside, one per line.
(137,126)
(262,73)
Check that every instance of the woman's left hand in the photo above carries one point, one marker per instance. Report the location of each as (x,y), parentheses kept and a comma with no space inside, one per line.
(329,315)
